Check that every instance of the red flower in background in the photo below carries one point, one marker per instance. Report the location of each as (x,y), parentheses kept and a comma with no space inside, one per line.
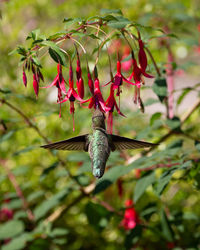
(111,104)
(6,214)
(126,65)
(59,82)
(131,218)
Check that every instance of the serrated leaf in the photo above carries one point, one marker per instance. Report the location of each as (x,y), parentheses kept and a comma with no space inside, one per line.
(6,230)
(143,184)
(110,11)
(120,23)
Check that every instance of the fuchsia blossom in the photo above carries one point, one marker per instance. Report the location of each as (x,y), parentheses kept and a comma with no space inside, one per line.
(24,79)
(71,94)
(59,82)
(36,84)
(131,218)
(79,82)
(6,214)
(96,100)
(111,104)
(118,79)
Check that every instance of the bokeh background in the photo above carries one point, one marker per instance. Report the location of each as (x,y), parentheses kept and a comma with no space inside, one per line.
(71,209)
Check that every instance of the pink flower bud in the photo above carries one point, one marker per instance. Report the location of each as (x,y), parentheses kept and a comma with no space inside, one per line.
(24,79)
(35,85)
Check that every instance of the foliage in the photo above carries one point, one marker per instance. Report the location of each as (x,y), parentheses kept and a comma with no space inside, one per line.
(49,199)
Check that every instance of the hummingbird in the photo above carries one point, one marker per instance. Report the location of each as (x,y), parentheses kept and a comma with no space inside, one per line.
(98,144)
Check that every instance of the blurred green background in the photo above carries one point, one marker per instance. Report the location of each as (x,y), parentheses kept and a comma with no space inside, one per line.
(67,202)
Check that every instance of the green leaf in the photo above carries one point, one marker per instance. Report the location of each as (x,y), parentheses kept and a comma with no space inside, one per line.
(183,95)
(11,229)
(97,215)
(25,150)
(197,145)
(143,184)
(110,11)
(42,209)
(18,242)
(160,88)
(7,136)
(120,23)
(155,117)
(55,52)
(36,61)
(174,123)
(166,227)
(164,180)
(58,232)
(46,171)
(35,195)
(109,178)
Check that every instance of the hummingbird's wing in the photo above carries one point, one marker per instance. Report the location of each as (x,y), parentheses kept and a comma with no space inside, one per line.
(75,143)
(121,143)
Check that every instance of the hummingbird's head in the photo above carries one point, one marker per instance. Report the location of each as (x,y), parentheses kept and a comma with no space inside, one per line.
(98,119)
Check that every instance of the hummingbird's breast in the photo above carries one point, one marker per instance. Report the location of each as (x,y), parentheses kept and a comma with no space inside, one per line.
(99,151)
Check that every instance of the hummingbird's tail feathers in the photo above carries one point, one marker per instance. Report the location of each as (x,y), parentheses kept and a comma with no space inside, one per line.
(121,143)
(74,143)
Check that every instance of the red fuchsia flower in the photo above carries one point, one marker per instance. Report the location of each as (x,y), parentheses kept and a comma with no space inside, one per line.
(79,82)
(111,104)
(96,100)
(59,82)
(126,65)
(118,79)
(170,245)
(71,95)
(24,78)
(90,83)
(35,84)
(6,214)
(131,218)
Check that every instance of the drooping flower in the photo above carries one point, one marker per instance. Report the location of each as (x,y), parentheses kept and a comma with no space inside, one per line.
(24,78)
(118,79)
(79,82)
(59,82)
(96,100)
(111,104)
(142,56)
(131,218)
(71,95)
(35,84)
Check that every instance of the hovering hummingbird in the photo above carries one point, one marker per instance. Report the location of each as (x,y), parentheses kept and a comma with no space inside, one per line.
(99,144)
